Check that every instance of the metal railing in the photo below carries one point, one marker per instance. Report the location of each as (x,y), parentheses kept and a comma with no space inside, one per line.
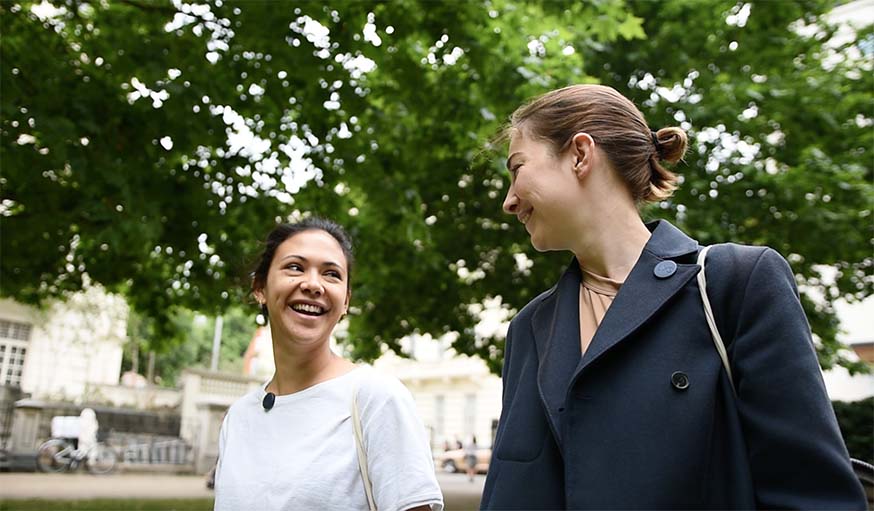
(156,451)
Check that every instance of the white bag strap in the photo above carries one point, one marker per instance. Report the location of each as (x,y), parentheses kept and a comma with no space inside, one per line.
(362,455)
(711,322)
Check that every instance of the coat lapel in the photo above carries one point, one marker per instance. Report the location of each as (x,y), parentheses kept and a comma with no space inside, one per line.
(556,325)
(556,322)
(643,293)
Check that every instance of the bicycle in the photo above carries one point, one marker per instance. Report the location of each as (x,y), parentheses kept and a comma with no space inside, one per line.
(60,455)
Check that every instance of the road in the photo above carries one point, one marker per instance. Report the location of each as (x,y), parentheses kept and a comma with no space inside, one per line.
(458,492)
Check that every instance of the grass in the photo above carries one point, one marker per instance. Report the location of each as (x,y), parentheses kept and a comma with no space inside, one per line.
(108,505)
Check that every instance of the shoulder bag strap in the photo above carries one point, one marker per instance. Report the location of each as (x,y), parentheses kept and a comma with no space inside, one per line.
(864,471)
(711,322)
(362,455)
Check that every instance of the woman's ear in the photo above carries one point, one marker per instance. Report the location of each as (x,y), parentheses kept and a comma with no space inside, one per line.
(259,295)
(583,153)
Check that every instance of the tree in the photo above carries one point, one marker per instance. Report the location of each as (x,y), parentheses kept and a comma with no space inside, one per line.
(855,419)
(193,345)
(781,149)
(150,145)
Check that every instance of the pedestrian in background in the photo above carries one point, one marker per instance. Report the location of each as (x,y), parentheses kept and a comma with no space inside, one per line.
(292,443)
(88,428)
(470,457)
(615,396)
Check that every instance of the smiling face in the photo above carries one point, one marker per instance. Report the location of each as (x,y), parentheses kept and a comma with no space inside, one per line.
(306,291)
(543,187)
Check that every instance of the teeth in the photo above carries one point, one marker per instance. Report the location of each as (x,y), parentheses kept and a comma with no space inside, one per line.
(524,218)
(305,307)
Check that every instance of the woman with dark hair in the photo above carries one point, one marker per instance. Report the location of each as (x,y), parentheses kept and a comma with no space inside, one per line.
(323,433)
(616,390)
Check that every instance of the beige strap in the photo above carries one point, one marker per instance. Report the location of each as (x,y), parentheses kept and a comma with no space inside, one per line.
(711,322)
(362,455)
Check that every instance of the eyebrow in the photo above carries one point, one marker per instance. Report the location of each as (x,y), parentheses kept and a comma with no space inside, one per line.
(304,259)
(510,159)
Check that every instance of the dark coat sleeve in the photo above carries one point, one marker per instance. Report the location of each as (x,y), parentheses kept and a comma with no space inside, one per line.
(796,453)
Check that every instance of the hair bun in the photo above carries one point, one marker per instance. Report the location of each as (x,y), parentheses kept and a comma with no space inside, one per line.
(656,143)
(670,144)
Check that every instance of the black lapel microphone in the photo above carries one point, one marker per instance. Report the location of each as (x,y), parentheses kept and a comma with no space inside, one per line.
(269,399)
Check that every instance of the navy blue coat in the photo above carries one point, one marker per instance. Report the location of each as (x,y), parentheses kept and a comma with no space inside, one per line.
(618,429)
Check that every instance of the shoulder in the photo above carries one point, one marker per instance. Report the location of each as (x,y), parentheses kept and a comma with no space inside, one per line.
(740,261)
(383,400)
(374,386)
(526,314)
(244,405)
(739,277)
(737,252)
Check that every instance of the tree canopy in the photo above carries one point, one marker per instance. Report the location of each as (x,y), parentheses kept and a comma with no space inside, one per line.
(150,146)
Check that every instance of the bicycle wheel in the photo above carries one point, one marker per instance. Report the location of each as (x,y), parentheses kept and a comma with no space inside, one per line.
(101,459)
(54,455)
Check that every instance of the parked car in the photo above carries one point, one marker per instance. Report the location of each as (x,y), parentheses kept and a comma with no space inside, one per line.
(453,461)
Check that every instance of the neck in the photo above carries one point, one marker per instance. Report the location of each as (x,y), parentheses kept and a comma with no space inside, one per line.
(298,371)
(611,244)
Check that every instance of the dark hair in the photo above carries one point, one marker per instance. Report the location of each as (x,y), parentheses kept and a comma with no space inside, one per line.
(616,126)
(282,232)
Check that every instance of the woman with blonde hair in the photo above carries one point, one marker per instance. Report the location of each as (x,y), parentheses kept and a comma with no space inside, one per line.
(617,394)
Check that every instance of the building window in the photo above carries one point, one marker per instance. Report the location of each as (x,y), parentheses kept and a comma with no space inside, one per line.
(13,331)
(13,348)
(469,414)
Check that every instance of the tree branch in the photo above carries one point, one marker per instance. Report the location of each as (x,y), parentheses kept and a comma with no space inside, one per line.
(149,6)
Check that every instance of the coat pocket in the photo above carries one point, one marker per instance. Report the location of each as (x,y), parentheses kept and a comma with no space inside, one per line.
(523,427)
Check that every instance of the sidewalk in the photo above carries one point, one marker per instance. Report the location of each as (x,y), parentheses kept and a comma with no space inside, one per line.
(458,492)
(115,486)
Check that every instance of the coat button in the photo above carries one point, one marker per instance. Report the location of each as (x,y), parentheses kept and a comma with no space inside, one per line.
(680,380)
(665,269)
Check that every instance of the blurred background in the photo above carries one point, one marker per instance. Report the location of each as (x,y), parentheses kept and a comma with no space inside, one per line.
(148,147)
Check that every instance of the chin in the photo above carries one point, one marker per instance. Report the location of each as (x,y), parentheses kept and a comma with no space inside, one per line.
(542,246)
(303,336)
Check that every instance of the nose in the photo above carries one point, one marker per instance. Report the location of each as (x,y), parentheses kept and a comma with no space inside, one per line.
(312,283)
(511,202)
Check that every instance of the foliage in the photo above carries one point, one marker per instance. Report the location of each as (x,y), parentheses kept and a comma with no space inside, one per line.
(123,156)
(193,346)
(855,419)
(760,85)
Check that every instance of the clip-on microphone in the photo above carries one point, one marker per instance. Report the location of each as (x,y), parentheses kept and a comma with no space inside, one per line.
(269,399)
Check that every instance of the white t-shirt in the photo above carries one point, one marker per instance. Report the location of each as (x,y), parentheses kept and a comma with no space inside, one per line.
(301,454)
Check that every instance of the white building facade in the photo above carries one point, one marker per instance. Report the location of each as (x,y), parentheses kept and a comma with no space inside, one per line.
(63,352)
(456,396)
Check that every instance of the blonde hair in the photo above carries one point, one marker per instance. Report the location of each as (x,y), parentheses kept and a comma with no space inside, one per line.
(616,126)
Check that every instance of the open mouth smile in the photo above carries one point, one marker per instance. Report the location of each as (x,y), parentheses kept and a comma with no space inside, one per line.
(307,309)
(525,216)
